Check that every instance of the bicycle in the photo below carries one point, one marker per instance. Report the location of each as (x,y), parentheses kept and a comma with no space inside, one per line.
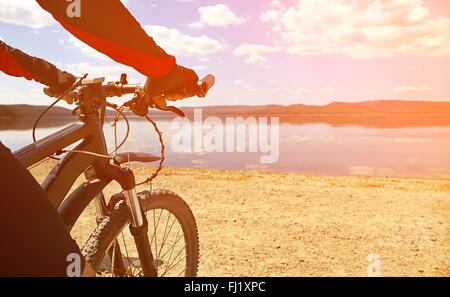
(91,157)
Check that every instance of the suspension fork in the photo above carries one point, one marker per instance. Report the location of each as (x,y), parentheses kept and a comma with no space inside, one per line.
(139,224)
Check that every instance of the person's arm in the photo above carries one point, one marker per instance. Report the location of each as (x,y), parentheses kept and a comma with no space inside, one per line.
(108,27)
(16,63)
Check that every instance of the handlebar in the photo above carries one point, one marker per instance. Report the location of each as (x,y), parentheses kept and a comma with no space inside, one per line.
(117,90)
(94,88)
(97,87)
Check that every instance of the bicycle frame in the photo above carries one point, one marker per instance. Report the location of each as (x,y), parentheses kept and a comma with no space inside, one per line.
(61,178)
(63,175)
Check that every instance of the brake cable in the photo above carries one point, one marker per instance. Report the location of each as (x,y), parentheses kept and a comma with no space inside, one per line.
(71,88)
(109,156)
(116,119)
(160,166)
(119,112)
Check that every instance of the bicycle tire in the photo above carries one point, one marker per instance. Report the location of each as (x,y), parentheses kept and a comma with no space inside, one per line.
(112,225)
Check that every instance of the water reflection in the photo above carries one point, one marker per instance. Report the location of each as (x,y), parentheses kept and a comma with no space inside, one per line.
(414,146)
(369,121)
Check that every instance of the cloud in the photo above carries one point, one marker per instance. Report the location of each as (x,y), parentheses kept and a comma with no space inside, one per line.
(171,40)
(28,95)
(199,68)
(75,43)
(196,25)
(412,89)
(218,15)
(356,29)
(176,43)
(288,92)
(300,91)
(246,86)
(327,89)
(274,13)
(110,72)
(254,52)
(328,139)
(24,13)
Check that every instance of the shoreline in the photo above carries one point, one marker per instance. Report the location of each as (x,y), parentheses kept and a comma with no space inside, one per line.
(257,223)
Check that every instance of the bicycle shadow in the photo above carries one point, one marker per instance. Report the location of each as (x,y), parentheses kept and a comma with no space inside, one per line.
(129,263)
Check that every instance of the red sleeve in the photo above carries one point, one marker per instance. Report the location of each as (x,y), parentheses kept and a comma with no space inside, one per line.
(108,27)
(9,64)
(16,63)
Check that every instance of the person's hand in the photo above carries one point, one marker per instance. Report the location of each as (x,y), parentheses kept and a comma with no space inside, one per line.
(178,80)
(51,92)
(179,83)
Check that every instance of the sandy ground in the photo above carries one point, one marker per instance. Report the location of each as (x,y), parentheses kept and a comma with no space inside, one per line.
(279,224)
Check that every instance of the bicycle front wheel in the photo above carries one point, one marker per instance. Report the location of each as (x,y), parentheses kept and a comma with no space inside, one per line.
(172,232)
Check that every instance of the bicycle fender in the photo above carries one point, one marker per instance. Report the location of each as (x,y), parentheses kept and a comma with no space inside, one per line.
(72,207)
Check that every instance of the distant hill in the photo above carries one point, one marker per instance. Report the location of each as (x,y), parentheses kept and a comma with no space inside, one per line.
(31,111)
(401,106)
(332,108)
(335,108)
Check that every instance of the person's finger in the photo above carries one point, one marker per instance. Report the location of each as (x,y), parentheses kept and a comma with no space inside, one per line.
(174,97)
(68,99)
(159,101)
(206,84)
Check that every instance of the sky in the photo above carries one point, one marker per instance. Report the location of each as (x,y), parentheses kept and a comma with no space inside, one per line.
(262,51)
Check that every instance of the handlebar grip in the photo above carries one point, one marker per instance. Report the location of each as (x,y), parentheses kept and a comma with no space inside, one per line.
(206,83)
(199,88)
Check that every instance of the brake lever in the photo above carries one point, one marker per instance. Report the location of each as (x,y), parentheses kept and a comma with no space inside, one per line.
(175,110)
(140,107)
(154,104)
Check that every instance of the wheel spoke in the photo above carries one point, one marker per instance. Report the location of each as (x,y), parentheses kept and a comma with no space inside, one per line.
(155,227)
(173,246)
(128,256)
(170,247)
(166,235)
(170,266)
(170,256)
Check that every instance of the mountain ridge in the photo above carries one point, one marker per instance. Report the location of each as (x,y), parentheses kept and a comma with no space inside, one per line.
(335,108)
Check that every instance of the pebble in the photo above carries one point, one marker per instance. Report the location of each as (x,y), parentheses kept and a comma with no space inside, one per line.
(420,269)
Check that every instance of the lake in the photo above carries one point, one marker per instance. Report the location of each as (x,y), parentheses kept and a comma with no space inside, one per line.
(395,145)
